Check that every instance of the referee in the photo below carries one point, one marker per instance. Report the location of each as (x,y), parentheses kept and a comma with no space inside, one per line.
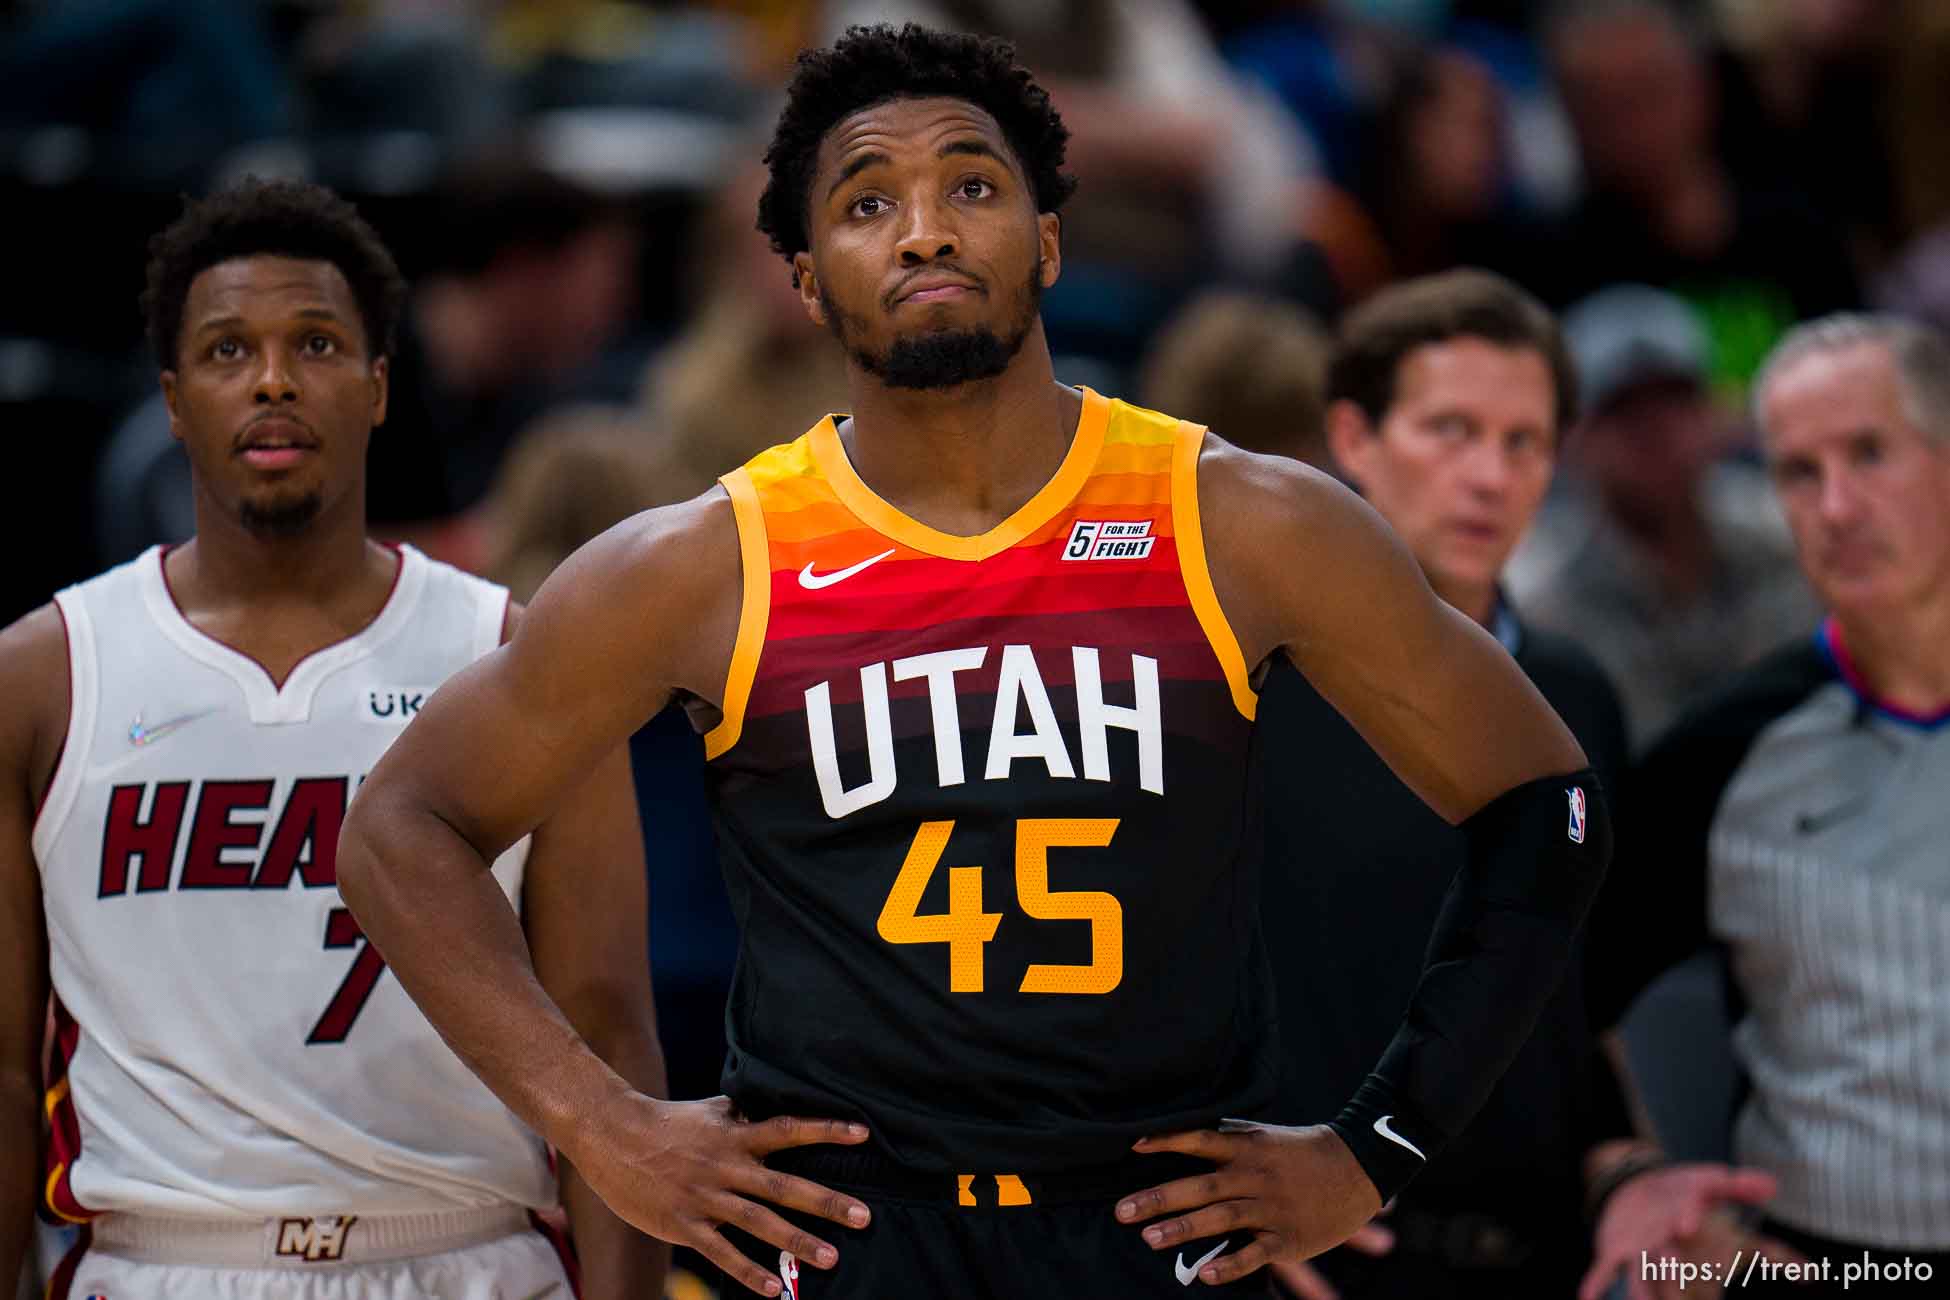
(1802,820)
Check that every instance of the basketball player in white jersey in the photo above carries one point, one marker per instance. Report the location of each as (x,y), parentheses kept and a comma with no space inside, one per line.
(243,1103)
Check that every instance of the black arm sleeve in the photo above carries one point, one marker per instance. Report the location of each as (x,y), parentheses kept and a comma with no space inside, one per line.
(1535,858)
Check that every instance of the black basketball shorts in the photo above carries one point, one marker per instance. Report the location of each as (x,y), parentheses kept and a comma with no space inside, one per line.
(993,1237)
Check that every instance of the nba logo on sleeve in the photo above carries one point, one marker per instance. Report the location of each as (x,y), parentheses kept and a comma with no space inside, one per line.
(1576,828)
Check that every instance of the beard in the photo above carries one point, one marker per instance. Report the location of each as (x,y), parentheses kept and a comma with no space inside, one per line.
(943,358)
(280,518)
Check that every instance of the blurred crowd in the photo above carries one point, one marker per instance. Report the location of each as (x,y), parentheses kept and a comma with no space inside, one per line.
(595,326)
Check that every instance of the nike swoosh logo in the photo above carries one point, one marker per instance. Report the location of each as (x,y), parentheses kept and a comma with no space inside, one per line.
(1381,1127)
(1187,1276)
(1808,823)
(141,735)
(814,581)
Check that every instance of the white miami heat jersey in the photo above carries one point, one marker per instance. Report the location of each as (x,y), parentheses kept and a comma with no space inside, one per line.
(228,1042)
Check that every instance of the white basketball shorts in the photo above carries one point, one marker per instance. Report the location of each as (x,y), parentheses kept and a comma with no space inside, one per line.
(493,1254)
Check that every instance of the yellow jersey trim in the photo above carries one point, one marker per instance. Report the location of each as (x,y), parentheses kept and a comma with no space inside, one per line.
(47,1193)
(753,613)
(884,519)
(1198,578)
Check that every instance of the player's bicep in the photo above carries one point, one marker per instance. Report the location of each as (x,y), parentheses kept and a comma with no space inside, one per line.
(33,656)
(23,957)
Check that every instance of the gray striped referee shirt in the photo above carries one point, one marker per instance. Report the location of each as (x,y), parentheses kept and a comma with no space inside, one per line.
(1829,860)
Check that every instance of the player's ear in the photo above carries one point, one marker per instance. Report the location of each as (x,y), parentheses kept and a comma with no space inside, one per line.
(807,281)
(1049,246)
(1351,439)
(382,372)
(168,379)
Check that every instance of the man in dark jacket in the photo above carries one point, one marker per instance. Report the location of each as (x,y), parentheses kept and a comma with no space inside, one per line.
(1446,400)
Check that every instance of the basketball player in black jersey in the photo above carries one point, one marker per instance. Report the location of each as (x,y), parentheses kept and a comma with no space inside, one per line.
(916,182)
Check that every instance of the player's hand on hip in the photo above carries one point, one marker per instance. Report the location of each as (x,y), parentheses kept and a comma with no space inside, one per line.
(1298,1191)
(680,1170)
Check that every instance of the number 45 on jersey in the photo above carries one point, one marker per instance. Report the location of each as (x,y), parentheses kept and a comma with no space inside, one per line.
(966,928)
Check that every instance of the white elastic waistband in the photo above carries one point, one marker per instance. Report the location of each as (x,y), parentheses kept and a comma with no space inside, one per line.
(300,1243)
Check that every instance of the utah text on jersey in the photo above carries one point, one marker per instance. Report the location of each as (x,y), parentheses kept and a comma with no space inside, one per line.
(1019,687)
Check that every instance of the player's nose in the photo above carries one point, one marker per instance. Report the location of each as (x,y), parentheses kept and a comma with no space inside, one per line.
(276,379)
(927,233)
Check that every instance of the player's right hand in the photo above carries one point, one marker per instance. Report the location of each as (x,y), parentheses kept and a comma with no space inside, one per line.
(680,1170)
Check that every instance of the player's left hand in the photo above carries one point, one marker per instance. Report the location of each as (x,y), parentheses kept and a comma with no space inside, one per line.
(1670,1211)
(1298,1191)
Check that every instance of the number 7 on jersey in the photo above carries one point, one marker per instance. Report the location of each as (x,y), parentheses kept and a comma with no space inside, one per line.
(342,931)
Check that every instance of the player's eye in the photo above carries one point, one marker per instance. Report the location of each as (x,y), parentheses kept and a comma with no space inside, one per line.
(868,205)
(226,349)
(320,345)
(974,188)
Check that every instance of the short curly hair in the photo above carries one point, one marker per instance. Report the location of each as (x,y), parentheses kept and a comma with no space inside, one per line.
(1376,337)
(278,219)
(873,65)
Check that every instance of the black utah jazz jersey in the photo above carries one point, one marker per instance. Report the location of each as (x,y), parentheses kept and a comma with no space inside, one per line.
(984,812)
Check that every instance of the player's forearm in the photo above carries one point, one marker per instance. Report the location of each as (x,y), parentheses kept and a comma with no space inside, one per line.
(426,899)
(617,1261)
(20,1130)
(1536,856)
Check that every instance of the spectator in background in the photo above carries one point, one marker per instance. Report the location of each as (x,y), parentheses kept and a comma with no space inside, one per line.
(162,87)
(1249,367)
(1801,822)
(574,473)
(1662,206)
(534,304)
(1671,561)
(1446,399)
(1193,171)
(1431,189)
(1808,92)
(747,366)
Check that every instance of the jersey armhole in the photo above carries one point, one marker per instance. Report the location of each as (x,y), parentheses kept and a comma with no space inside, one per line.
(754,611)
(1190,540)
(64,783)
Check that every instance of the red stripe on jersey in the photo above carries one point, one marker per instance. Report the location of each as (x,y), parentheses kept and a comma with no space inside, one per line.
(1164,635)
(60,1284)
(565,1250)
(64,1125)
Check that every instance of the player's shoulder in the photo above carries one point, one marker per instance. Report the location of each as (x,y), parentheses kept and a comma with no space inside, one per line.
(671,541)
(35,643)
(665,560)
(1267,481)
(1276,510)
(34,679)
